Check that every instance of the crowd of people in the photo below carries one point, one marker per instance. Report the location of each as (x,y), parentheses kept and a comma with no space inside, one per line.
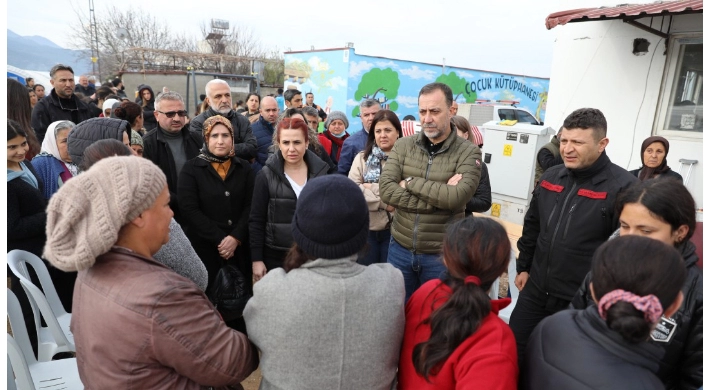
(364,265)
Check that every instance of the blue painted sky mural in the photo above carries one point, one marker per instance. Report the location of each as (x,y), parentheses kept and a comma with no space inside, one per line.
(340,79)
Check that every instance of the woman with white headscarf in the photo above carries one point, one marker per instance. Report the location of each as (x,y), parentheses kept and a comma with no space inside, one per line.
(54,164)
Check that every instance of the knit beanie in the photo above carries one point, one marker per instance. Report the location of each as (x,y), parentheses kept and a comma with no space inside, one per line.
(336,115)
(331,219)
(136,138)
(85,215)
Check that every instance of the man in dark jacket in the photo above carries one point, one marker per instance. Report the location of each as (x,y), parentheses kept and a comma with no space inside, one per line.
(309,103)
(263,130)
(84,87)
(571,214)
(356,142)
(219,97)
(171,144)
(60,104)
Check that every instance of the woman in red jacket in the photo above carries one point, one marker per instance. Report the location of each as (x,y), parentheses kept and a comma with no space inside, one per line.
(453,337)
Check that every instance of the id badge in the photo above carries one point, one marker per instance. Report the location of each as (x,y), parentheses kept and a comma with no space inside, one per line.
(664,330)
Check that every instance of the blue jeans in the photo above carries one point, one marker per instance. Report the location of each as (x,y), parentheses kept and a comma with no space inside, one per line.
(378,244)
(417,269)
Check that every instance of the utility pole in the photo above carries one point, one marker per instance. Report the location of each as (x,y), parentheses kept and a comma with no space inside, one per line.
(94,41)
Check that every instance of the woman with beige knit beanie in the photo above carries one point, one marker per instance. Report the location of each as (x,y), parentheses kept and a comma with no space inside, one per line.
(136,323)
(215,191)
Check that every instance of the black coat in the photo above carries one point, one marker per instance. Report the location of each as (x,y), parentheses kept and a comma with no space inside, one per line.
(157,150)
(50,110)
(682,363)
(149,121)
(575,349)
(273,206)
(481,200)
(666,174)
(213,208)
(26,215)
(92,130)
(244,140)
(571,214)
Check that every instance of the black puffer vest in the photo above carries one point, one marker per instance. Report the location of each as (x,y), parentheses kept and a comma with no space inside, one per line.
(282,198)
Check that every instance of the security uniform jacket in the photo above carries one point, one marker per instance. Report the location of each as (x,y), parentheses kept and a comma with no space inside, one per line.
(51,109)
(273,206)
(681,335)
(575,349)
(157,150)
(244,140)
(427,205)
(571,214)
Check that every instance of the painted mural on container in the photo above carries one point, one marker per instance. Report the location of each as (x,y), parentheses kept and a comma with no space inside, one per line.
(341,79)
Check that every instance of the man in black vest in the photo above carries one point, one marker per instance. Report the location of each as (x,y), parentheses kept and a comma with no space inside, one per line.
(219,96)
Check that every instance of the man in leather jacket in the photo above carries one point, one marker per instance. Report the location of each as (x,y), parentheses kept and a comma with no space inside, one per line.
(571,214)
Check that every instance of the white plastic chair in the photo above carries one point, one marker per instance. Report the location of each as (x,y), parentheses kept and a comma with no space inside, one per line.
(56,336)
(29,373)
(514,292)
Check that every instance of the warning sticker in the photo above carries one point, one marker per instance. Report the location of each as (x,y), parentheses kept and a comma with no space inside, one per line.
(508,150)
(495,209)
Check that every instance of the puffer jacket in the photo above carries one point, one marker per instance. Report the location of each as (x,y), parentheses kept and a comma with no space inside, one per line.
(379,217)
(274,203)
(428,204)
(95,129)
(173,337)
(575,349)
(244,139)
(682,335)
(571,214)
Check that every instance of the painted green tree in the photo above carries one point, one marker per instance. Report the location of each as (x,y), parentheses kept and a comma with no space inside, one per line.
(375,83)
(458,86)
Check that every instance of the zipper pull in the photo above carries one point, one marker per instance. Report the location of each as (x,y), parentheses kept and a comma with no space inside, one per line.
(571,209)
(431,159)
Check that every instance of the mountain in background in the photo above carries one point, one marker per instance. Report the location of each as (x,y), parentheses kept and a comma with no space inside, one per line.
(39,53)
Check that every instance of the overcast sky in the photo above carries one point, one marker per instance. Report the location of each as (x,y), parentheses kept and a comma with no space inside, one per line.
(501,36)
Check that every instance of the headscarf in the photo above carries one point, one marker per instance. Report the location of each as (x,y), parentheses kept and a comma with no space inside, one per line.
(205,153)
(373,165)
(648,172)
(49,146)
(136,138)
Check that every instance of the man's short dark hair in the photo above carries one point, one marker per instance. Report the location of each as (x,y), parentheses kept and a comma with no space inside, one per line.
(202,96)
(116,81)
(409,118)
(431,87)
(290,94)
(587,118)
(309,93)
(58,67)
(280,91)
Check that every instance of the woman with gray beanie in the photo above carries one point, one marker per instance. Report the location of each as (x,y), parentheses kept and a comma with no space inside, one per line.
(136,323)
(324,321)
(333,137)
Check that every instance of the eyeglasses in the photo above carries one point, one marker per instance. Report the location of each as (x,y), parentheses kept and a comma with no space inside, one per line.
(170,114)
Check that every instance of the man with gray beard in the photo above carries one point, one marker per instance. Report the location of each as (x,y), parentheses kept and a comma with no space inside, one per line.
(428,179)
(219,97)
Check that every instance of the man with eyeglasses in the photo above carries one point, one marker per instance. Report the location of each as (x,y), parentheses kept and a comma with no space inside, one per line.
(218,95)
(60,104)
(172,143)
(263,130)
